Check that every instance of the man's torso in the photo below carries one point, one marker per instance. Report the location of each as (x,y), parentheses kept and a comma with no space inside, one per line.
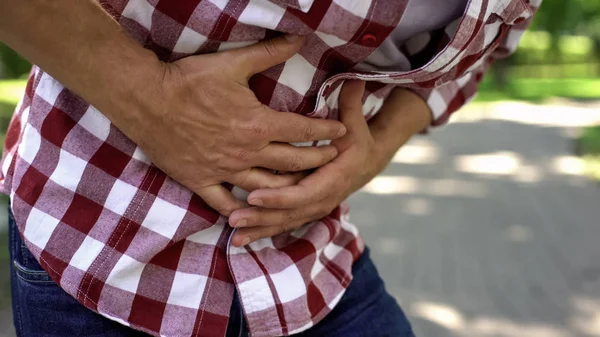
(129,242)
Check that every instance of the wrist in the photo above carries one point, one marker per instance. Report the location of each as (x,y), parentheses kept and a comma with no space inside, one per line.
(127,104)
(403,114)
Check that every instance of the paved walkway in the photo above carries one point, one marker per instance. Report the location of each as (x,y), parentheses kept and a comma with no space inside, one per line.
(487,228)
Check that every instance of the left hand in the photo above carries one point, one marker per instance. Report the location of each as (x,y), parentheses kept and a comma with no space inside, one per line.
(283,209)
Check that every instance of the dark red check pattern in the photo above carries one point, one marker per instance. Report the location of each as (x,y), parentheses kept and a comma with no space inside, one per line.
(134,245)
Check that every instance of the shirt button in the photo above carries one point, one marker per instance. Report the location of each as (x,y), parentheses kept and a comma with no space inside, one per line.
(368,39)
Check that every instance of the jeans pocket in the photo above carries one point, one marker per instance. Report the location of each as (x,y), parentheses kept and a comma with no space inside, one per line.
(31,275)
(25,265)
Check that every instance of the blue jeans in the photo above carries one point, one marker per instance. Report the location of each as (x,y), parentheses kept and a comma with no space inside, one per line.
(42,309)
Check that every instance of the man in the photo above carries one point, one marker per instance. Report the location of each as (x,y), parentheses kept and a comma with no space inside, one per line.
(130,188)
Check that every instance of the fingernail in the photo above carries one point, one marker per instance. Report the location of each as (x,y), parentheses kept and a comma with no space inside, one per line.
(341,133)
(256,202)
(334,153)
(246,241)
(292,38)
(241,223)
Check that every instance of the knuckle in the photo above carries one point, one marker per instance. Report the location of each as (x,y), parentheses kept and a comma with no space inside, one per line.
(255,129)
(229,167)
(296,163)
(285,227)
(243,155)
(219,164)
(225,210)
(270,48)
(221,171)
(221,167)
(293,215)
(307,132)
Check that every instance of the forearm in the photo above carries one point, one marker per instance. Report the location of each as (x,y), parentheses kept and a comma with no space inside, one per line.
(81,46)
(402,115)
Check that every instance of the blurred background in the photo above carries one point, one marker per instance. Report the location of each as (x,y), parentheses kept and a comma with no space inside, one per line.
(490,226)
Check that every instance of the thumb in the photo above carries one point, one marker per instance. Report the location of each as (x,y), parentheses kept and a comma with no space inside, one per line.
(350,106)
(266,54)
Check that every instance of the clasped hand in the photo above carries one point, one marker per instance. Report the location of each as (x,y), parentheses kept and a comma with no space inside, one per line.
(278,210)
(203,126)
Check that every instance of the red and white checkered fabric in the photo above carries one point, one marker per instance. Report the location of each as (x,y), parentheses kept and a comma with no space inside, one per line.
(134,245)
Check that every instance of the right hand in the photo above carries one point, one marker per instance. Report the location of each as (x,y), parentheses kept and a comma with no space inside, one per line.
(202,125)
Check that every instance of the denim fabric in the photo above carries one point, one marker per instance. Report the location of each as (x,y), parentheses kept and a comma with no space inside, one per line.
(365,310)
(42,309)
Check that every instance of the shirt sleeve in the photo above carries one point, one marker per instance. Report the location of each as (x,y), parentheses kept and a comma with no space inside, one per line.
(449,97)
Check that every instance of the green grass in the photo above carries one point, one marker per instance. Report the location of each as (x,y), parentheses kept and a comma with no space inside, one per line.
(539,89)
(11,91)
(6,110)
(10,94)
(589,147)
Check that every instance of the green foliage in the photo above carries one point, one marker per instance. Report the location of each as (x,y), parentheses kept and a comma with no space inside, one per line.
(589,18)
(536,47)
(590,140)
(539,89)
(589,147)
(11,64)
(579,17)
(574,16)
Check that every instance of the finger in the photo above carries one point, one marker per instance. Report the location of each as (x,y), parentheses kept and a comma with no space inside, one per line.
(264,55)
(311,190)
(286,157)
(244,236)
(220,199)
(290,127)
(261,217)
(257,178)
(350,106)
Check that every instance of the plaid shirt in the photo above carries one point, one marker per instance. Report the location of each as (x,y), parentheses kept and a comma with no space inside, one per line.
(134,245)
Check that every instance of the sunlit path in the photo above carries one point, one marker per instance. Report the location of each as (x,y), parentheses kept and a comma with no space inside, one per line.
(488,228)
